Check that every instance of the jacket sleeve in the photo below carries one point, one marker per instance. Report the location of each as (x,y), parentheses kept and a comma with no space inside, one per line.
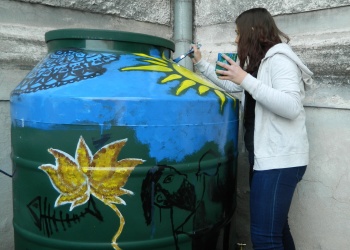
(208,71)
(283,94)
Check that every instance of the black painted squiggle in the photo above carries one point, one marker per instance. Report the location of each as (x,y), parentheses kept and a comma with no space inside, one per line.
(51,222)
(7,174)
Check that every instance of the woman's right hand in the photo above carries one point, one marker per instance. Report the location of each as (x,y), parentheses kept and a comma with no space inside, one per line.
(197,55)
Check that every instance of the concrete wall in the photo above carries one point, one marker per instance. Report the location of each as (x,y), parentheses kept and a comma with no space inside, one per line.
(320,34)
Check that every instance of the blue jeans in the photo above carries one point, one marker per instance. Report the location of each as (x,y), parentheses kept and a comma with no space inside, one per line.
(270,199)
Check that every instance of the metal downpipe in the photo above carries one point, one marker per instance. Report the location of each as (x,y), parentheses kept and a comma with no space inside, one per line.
(183,22)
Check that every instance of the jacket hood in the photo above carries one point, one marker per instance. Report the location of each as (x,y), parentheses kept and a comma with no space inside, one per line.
(285,49)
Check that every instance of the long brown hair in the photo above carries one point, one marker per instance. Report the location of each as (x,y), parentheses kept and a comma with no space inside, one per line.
(257,34)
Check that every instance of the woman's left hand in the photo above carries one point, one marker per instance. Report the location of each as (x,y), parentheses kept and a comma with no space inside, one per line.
(233,72)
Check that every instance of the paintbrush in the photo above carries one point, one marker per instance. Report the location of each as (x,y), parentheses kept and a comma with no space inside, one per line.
(178,59)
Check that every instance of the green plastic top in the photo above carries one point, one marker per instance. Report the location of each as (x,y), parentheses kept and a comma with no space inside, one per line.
(108,35)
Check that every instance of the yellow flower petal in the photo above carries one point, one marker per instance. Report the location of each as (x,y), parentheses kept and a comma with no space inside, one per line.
(56,180)
(171,78)
(203,89)
(185,85)
(67,179)
(66,175)
(123,169)
(151,57)
(113,186)
(83,155)
(149,68)
(222,98)
(77,198)
(162,63)
(104,161)
(111,189)
(105,198)
(194,77)
(164,57)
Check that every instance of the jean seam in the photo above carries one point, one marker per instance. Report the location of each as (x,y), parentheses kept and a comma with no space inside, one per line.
(273,210)
(297,175)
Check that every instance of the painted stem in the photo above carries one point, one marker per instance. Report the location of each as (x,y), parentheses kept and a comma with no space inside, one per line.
(121,226)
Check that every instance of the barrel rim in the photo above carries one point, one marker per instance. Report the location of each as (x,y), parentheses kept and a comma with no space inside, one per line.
(111,35)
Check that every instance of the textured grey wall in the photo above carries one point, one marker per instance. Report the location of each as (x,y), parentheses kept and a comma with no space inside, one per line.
(144,11)
(223,11)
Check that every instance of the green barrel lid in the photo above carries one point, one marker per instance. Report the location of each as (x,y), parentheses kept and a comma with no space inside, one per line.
(109,35)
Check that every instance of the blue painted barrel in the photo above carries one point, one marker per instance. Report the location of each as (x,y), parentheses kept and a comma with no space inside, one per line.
(115,146)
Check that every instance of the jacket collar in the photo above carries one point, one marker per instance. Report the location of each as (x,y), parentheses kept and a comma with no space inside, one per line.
(285,49)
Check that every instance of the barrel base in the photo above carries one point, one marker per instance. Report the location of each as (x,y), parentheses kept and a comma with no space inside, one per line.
(25,240)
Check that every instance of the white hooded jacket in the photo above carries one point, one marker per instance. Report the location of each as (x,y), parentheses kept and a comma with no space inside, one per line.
(280,137)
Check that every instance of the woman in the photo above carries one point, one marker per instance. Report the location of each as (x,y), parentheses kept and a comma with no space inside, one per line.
(273,90)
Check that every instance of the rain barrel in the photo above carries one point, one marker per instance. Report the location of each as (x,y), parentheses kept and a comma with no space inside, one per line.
(115,146)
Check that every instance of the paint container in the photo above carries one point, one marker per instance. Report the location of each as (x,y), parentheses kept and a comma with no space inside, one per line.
(233,56)
(114,146)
